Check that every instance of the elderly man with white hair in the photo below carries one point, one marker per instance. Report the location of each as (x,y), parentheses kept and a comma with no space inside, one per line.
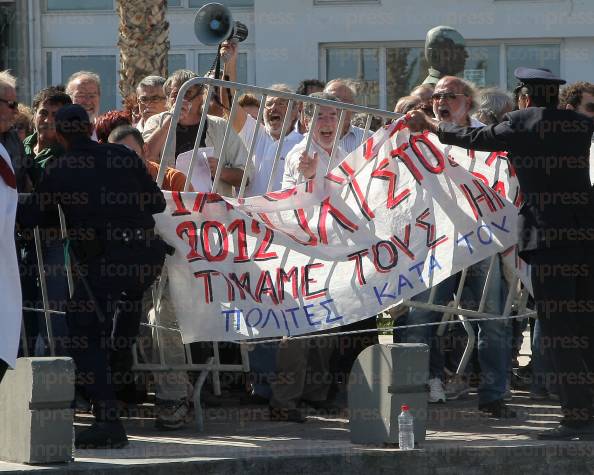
(8,137)
(275,109)
(453,101)
(10,285)
(84,88)
(350,136)
(301,166)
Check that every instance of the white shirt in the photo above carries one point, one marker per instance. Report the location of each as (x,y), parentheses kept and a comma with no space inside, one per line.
(292,176)
(10,283)
(352,139)
(264,156)
(140,125)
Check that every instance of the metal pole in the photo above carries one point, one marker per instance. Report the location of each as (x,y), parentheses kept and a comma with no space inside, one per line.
(44,296)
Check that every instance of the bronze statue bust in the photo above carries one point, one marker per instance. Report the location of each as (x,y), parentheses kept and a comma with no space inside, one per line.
(445,52)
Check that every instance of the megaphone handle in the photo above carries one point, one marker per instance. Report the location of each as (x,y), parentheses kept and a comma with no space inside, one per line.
(218,63)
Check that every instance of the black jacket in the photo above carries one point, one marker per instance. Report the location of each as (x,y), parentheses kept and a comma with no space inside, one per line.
(549,150)
(102,189)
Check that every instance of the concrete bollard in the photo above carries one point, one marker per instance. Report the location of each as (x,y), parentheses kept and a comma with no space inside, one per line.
(382,379)
(36,418)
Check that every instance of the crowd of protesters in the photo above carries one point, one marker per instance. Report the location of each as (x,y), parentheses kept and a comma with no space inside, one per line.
(34,142)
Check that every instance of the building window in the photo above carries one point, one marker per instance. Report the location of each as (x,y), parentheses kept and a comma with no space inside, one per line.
(175,62)
(227,3)
(359,64)
(405,66)
(103,65)
(537,56)
(63,5)
(174,3)
(482,66)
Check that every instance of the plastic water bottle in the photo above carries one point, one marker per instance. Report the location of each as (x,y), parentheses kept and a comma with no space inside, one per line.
(406,433)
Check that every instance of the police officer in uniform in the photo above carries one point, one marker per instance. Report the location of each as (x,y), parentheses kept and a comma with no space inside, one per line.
(108,199)
(549,149)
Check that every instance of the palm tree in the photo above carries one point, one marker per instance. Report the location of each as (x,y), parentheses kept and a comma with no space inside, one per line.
(143,41)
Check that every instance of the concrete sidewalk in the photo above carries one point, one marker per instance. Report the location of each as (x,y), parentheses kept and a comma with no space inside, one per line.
(240,439)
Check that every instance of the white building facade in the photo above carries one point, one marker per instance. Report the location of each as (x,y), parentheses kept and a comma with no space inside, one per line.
(377,42)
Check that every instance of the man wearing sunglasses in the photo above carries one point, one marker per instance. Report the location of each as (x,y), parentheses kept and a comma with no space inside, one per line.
(549,149)
(8,137)
(453,102)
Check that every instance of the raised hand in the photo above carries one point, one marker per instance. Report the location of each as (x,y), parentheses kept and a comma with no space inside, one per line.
(308,165)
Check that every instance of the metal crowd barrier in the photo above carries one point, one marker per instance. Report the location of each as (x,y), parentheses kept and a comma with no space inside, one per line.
(213,364)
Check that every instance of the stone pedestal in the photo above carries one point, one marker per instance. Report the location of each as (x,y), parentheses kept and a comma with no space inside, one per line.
(383,378)
(35,411)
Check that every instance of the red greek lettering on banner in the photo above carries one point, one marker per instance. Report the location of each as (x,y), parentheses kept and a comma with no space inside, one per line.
(180,207)
(357,257)
(306,280)
(356,189)
(265,287)
(383,173)
(206,276)
(223,241)
(243,284)
(433,151)
(283,277)
(280,195)
(238,228)
(328,209)
(400,153)
(404,244)
(392,252)
(190,230)
(432,241)
(262,253)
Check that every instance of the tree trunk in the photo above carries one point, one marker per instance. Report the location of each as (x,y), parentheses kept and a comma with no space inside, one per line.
(143,41)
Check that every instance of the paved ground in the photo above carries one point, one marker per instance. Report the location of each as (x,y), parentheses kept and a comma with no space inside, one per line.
(240,439)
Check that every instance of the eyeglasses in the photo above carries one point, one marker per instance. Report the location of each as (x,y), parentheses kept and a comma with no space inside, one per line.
(446,96)
(78,96)
(12,104)
(147,99)
(190,97)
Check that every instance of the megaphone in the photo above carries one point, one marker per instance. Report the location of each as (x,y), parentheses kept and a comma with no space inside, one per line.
(214,24)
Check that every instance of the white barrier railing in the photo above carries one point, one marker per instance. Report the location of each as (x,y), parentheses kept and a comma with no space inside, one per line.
(213,364)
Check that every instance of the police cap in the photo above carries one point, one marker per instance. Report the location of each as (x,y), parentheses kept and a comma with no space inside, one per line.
(537,75)
(72,119)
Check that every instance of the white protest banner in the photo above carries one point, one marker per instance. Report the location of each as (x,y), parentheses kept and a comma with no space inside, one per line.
(397,216)
(494,170)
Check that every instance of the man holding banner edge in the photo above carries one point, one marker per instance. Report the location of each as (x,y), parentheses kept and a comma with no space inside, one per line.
(549,149)
(453,101)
